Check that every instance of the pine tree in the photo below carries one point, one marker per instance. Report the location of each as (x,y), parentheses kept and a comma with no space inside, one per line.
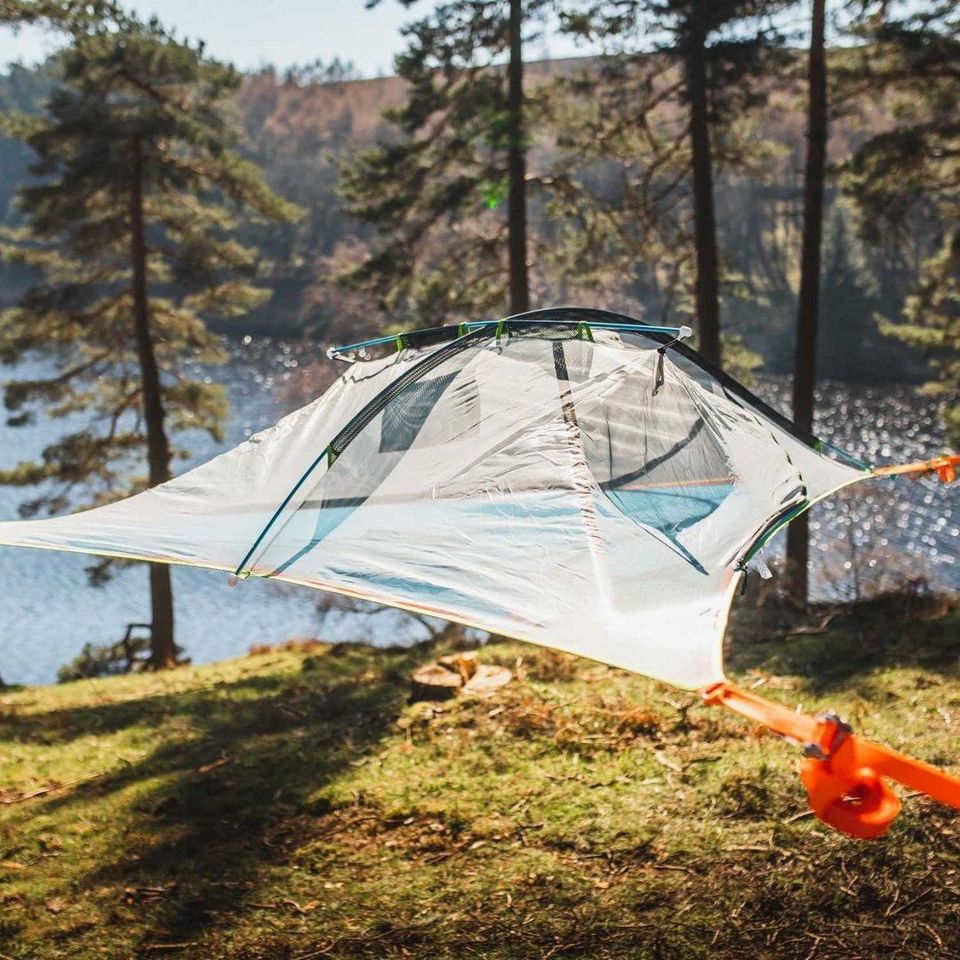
(139,187)
(435,192)
(909,53)
(682,75)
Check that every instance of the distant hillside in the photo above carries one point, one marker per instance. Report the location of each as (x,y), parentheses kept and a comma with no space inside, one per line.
(301,129)
(300,132)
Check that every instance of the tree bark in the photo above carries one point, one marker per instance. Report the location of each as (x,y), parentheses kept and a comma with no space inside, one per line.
(163,650)
(517,167)
(805,357)
(704,216)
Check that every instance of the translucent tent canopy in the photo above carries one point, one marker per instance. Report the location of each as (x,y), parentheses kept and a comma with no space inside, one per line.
(566,477)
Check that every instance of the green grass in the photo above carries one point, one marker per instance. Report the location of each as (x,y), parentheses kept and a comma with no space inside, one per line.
(293,804)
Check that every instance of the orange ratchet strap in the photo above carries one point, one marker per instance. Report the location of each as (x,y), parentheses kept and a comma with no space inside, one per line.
(842,772)
(944,467)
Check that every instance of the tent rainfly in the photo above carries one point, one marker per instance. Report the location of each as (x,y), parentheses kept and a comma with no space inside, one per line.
(568,477)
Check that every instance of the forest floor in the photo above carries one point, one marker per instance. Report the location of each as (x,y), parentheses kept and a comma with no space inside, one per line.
(294,805)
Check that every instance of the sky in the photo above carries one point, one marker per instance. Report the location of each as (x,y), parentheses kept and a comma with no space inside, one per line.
(250,33)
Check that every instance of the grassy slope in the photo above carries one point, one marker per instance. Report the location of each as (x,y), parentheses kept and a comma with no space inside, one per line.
(293,805)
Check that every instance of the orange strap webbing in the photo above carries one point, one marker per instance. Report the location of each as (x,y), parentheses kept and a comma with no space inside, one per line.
(842,773)
(944,467)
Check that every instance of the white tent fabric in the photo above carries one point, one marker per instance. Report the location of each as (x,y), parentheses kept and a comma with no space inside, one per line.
(538,484)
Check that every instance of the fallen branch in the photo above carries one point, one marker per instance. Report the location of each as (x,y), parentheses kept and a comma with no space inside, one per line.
(219,762)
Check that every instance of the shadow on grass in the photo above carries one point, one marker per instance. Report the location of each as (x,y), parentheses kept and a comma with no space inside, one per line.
(61,726)
(833,647)
(243,759)
(793,894)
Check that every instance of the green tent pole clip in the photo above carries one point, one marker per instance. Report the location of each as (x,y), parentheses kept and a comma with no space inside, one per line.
(462,329)
(331,457)
(583,330)
(401,342)
(501,327)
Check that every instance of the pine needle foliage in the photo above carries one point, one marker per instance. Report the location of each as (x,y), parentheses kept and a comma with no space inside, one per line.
(436,188)
(668,109)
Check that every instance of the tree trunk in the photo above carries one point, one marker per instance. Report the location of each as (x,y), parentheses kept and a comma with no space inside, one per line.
(704,216)
(517,167)
(163,651)
(805,358)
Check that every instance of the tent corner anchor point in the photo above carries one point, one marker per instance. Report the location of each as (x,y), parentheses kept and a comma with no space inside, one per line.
(842,773)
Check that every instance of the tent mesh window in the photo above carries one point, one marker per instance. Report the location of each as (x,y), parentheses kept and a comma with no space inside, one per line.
(652,456)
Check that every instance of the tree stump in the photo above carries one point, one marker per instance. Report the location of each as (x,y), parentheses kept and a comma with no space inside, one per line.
(456,673)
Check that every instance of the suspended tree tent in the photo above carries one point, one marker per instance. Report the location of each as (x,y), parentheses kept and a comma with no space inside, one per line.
(568,477)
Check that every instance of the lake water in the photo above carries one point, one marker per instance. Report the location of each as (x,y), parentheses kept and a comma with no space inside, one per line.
(883,528)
